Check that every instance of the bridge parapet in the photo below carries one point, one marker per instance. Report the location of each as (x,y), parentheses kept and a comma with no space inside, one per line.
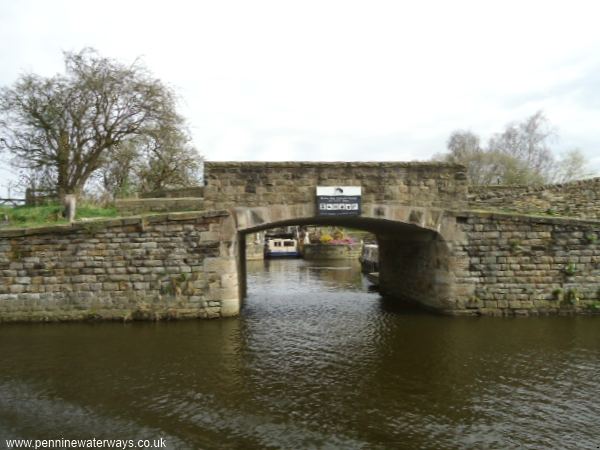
(230,184)
(574,199)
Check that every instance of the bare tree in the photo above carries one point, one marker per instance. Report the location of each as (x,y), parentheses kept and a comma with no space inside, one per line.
(463,144)
(528,142)
(464,148)
(68,125)
(572,166)
(168,161)
(521,154)
(117,175)
(149,163)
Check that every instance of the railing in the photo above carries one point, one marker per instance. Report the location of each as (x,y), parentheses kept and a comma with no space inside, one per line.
(12,201)
(35,197)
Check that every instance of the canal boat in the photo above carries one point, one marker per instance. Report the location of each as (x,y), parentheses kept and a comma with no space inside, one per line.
(369,258)
(281,247)
(373,278)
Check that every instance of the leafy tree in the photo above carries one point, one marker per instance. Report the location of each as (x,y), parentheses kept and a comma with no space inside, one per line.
(67,127)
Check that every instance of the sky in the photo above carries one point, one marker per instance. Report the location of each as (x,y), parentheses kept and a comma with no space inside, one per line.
(335,80)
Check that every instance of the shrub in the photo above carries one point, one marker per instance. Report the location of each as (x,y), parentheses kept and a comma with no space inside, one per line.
(571,297)
(570,269)
(326,238)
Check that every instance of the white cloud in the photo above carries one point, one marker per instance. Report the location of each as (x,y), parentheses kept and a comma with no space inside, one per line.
(330,79)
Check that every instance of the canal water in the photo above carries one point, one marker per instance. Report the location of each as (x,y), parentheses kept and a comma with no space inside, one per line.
(314,361)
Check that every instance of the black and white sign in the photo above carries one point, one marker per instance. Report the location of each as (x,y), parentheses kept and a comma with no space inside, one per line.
(338,200)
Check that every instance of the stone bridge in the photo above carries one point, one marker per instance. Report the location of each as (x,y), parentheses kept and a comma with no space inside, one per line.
(437,247)
(407,205)
(441,245)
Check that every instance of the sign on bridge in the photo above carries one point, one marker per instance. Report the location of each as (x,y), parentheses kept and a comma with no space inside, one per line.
(338,200)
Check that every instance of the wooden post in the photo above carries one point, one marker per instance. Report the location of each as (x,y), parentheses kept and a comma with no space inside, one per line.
(29,196)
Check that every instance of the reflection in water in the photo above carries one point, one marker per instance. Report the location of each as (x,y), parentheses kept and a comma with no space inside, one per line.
(315,361)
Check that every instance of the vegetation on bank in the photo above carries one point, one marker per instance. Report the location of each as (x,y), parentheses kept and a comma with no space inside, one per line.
(338,235)
(51,214)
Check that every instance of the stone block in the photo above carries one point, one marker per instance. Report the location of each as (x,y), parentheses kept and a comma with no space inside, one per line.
(16,288)
(209,236)
(229,280)
(220,265)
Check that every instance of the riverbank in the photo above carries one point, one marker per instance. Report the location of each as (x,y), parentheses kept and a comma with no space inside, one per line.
(331,251)
(51,214)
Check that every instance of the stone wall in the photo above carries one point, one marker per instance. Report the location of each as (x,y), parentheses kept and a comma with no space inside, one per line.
(330,251)
(157,267)
(192,191)
(233,184)
(574,199)
(515,265)
(133,206)
(496,264)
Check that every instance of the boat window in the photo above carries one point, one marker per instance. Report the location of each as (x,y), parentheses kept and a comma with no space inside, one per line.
(288,243)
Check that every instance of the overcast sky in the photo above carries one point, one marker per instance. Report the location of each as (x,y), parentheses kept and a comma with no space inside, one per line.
(336,80)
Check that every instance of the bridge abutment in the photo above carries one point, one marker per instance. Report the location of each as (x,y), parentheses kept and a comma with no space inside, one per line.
(168,266)
(417,268)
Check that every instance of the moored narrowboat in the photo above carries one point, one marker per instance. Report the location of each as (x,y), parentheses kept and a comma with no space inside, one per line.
(280,247)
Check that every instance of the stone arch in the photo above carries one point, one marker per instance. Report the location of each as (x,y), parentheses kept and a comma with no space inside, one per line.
(416,259)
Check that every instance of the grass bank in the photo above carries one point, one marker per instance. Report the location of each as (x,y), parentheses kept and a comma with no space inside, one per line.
(32,216)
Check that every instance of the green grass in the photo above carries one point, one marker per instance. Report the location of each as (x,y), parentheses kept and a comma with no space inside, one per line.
(35,216)
(89,210)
